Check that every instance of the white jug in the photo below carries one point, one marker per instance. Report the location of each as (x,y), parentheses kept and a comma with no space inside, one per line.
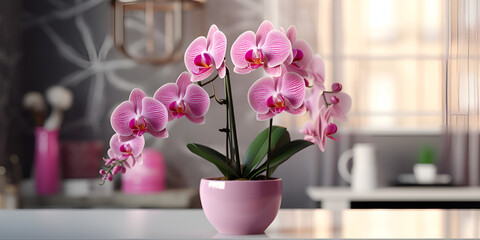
(364,172)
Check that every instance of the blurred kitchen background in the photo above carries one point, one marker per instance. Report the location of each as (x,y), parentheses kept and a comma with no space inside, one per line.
(410,66)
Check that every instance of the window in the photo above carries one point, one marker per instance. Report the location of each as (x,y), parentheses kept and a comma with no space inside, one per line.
(390,55)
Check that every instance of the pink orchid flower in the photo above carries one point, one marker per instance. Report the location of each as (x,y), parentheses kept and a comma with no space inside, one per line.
(270,96)
(184,98)
(206,54)
(301,56)
(320,129)
(341,104)
(129,152)
(316,70)
(139,115)
(268,48)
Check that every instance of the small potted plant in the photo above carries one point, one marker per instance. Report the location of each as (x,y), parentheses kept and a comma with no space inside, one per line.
(246,199)
(425,170)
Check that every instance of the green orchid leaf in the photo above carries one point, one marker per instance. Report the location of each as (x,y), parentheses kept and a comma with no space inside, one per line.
(280,155)
(213,156)
(258,149)
(284,140)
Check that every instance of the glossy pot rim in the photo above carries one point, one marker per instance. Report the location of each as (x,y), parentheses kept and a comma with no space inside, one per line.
(244,181)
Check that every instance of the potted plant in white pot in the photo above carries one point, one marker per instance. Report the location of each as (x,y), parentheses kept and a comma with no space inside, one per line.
(246,199)
(424,170)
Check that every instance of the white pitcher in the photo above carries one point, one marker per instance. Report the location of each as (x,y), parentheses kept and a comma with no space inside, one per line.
(364,171)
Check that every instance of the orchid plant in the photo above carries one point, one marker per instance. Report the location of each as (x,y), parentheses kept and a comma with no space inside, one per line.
(294,83)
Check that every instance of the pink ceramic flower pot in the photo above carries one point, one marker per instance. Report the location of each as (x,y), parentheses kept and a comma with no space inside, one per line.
(241,207)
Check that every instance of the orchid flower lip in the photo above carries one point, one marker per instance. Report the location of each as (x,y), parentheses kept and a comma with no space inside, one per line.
(178,109)
(138,126)
(276,103)
(334,100)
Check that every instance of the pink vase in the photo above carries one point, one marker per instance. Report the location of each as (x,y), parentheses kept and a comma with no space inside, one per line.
(46,161)
(240,207)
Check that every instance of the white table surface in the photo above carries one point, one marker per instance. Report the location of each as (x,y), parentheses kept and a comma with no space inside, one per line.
(192,224)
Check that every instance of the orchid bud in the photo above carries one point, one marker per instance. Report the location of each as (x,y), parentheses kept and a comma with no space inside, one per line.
(336,87)
(108,161)
(116,169)
(123,170)
(109,177)
(102,172)
(331,129)
(334,99)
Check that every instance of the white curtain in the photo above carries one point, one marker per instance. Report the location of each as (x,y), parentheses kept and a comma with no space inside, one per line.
(462,92)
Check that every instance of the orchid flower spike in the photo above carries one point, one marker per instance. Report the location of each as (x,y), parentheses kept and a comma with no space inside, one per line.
(320,129)
(301,55)
(184,98)
(268,48)
(139,115)
(270,96)
(206,54)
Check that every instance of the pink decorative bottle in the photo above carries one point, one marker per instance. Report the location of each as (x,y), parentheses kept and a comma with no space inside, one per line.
(46,168)
(148,177)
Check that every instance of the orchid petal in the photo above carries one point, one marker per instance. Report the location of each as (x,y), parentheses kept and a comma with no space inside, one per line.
(126,138)
(155,113)
(276,48)
(121,117)
(222,70)
(167,94)
(317,71)
(301,72)
(183,81)
(115,145)
(242,44)
(262,32)
(265,116)
(136,97)
(159,134)
(202,76)
(218,48)
(127,164)
(213,29)
(292,34)
(139,159)
(295,111)
(197,100)
(197,120)
(307,128)
(259,92)
(242,70)
(307,53)
(273,71)
(293,88)
(137,145)
(198,46)
(111,153)
(289,59)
